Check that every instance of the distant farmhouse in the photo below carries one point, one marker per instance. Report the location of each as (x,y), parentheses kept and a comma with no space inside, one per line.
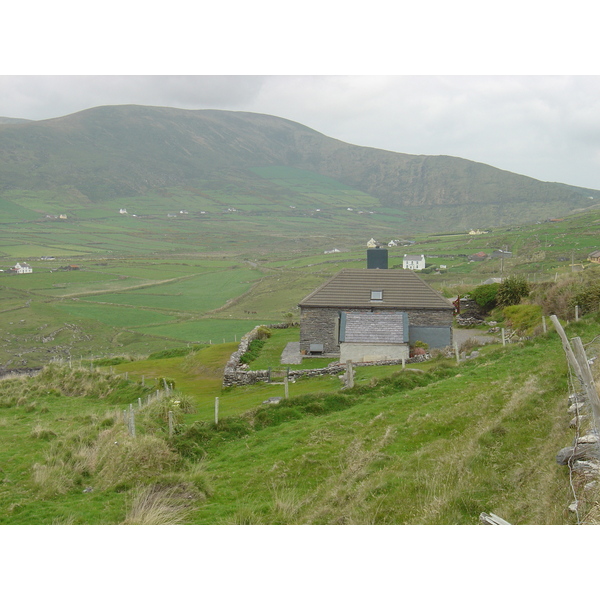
(478,256)
(594,256)
(501,254)
(477,232)
(21,268)
(414,262)
(373,314)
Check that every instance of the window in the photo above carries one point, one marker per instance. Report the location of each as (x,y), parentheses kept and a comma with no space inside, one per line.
(376,295)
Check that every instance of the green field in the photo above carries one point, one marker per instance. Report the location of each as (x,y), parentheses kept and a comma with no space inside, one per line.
(435,445)
(151,281)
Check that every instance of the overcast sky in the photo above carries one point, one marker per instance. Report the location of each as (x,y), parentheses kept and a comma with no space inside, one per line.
(543,125)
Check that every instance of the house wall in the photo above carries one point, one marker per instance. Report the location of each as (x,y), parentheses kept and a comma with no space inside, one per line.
(435,337)
(320,326)
(372,352)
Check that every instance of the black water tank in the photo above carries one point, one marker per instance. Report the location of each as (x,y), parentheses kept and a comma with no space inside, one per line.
(377,258)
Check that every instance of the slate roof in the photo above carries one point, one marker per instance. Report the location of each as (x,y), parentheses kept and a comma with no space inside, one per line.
(381,328)
(351,288)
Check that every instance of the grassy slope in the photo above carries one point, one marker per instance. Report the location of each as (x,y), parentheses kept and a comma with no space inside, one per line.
(479,437)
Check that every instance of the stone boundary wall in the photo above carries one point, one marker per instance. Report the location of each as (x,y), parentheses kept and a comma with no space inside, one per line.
(237,373)
(28,372)
(583,457)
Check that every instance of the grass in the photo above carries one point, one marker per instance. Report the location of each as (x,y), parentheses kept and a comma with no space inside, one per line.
(436,445)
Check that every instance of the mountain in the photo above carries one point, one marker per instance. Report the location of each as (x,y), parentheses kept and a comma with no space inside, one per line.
(119,151)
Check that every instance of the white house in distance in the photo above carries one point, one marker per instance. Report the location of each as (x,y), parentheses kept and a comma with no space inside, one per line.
(22,268)
(414,262)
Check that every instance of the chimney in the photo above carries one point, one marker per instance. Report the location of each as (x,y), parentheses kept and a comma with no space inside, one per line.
(377,258)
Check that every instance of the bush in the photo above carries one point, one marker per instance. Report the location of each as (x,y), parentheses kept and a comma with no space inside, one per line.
(512,290)
(485,295)
(263,333)
(176,352)
(253,351)
(587,298)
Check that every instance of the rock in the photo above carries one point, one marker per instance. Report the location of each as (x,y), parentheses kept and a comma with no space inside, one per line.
(587,467)
(576,407)
(573,506)
(273,400)
(590,438)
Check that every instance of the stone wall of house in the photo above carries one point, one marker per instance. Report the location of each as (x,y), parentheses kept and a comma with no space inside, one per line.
(319,325)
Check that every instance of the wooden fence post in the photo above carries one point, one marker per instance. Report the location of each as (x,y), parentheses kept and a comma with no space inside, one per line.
(131,421)
(286,386)
(170,423)
(349,375)
(567,348)
(588,379)
(544,327)
(503,337)
(217,410)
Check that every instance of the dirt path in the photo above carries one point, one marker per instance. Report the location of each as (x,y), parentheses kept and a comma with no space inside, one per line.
(462,335)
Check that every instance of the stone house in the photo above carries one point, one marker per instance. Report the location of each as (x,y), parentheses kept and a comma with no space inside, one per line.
(373,314)
(594,256)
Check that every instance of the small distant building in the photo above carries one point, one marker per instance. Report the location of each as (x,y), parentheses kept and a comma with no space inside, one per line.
(477,232)
(331,251)
(478,256)
(372,243)
(594,256)
(62,216)
(393,243)
(414,262)
(501,254)
(123,211)
(22,268)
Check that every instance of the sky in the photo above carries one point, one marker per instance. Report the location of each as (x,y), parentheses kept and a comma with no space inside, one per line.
(546,127)
(516,88)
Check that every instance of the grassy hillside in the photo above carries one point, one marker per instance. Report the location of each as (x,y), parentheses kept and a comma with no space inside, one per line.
(98,159)
(435,445)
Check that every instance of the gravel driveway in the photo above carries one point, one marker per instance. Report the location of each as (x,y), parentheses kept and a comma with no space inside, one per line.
(462,335)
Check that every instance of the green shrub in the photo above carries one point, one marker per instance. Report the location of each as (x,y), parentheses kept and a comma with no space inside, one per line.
(253,351)
(176,352)
(263,333)
(512,290)
(485,295)
(587,298)
(115,360)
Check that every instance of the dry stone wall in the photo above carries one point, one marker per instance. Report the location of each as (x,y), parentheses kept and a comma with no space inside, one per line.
(237,373)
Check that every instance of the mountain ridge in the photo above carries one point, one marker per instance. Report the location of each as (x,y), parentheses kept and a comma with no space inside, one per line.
(126,150)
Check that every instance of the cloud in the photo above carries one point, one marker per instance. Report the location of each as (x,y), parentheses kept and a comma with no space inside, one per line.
(547,127)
